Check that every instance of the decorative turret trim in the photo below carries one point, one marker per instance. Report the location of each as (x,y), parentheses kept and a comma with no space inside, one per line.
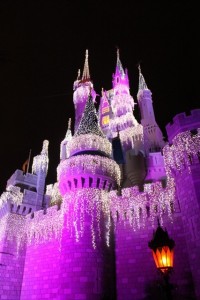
(88,164)
(142,83)
(86,71)
(87,142)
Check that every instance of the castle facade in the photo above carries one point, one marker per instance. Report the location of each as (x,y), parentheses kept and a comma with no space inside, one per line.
(86,236)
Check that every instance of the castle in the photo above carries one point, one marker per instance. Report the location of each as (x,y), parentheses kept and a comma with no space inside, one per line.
(86,236)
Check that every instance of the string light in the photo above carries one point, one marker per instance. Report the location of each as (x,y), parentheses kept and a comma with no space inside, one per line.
(184,151)
(12,194)
(40,162)
(86,164)
(94,142)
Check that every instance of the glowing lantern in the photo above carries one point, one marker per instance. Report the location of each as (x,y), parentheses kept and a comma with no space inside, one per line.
(162,249)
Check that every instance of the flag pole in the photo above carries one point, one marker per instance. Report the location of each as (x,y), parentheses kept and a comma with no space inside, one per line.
(29,157)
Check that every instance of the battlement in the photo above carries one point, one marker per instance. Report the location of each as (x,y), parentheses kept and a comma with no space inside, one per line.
(22,209)
(183,122)
(19,179)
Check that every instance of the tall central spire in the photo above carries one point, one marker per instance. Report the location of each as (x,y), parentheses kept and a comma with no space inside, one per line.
(86,71)
(119,64)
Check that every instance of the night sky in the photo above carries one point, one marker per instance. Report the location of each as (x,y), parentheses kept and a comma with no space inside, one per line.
(42,46)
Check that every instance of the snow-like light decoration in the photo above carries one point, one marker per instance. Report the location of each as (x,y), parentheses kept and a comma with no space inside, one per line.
(13,229)
(40,162)
(135,206)
(122,122)
(89,142)
(91,207)
(54,193)
(122,89)
(11,194)
(122,103)
(184,151)
(133,136)
(89,164)
(82,92)
(44,226)
(88,207)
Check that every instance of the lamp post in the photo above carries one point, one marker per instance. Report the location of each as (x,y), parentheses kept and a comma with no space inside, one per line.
(162,249)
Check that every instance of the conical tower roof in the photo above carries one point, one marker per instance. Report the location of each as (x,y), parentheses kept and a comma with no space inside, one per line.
(89,123)
(142,82)
(119,67)
(86,71)
(89,136)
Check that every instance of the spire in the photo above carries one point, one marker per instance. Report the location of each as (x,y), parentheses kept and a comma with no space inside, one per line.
(68,133)
(79,74)
(142,83)
(119,64)
(89,122)
(86,71)
(69,124)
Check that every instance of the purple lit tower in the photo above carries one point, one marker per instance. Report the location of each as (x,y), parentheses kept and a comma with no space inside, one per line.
(85,179)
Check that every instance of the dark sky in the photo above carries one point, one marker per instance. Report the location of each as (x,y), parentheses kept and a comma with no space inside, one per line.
(42,45)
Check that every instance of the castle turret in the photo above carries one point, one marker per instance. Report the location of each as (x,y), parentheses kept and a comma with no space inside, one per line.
(85,179)
(122,105)
(89,164)
(82,88)
(153,137)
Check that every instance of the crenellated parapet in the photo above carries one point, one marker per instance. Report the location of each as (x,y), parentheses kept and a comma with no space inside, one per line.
(88,171)
(21,179)
(135,207)
(182,122)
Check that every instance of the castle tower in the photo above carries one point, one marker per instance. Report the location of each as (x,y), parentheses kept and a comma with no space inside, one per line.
(82,88)
(182,159)
(24,194)
(153,137)
(104,114)
(85,179)
(122,105)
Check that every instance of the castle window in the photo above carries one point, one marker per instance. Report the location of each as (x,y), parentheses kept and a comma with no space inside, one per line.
(75,182)
(90,182)
(69,184)
(82,181)
(98,182)
(104,184)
